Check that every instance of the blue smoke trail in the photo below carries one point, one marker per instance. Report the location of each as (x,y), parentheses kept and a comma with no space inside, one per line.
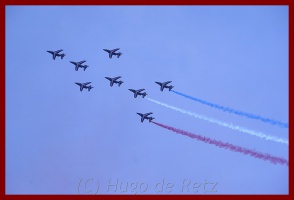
(237,112)
(224,124)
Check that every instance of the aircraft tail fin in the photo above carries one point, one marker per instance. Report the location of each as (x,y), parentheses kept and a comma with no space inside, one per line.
(62,55)
(170,87)
(119,54)
(144,94)
(90,87)
(150,119)
(85,67)
(119,83)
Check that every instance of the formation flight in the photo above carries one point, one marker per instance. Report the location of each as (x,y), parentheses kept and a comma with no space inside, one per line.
(164,85)
(138,92)
(57,53)
(79,65)
(145,116)
(113,52)
(114,80)
(84,85)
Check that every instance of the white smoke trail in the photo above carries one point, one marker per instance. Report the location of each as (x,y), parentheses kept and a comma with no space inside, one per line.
(228,125)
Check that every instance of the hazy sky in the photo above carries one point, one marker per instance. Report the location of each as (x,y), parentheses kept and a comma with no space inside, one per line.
(63,141)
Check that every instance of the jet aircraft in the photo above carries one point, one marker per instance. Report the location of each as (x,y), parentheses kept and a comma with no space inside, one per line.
(113,52)
(57,53)
(84,85)
(114,80)
(79,65)
(164,85)
(138,92)
(144,116)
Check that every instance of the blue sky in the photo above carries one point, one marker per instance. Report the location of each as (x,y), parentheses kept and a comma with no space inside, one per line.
(63,141)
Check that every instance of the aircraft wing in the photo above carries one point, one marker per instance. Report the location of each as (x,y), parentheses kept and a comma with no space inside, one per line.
(108,78)
(58,51)
(81,62)
(148,114)
(167,82)
(114,50)
(86,83)
(132,90)
(140,90)
(115,78)
(140,114)
(78,84)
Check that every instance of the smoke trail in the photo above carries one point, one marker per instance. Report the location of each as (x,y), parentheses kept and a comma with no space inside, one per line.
(231,126)
(232,147)
(237,112)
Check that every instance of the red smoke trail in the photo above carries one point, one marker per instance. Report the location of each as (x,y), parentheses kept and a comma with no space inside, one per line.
(232,147)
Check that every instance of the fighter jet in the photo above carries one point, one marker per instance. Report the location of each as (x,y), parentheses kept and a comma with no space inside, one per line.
(56,53)
(113,52)
(144,116)
(138,92)
(84,85)
(79,64)
(114,80)
(164,85)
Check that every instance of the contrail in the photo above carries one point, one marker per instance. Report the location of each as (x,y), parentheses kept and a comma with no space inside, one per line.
(264,156)
(237,112)
(231,126)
